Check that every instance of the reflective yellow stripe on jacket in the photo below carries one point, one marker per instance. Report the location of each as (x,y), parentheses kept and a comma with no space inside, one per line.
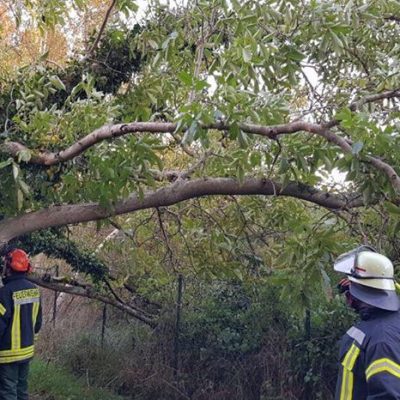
(16,352)
(35,311)
(383,365)
(346,391)
(8,356)
(16,328)
(2,310)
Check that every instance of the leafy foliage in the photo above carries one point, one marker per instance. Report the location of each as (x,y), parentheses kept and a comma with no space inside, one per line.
(257,269)
(220,64)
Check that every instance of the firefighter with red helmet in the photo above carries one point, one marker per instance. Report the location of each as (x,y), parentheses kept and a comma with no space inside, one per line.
(20,321)
(370,351)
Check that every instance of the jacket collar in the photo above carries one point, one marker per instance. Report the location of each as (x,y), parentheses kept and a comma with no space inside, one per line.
(13,278)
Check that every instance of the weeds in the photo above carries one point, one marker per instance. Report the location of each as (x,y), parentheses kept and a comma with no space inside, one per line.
(234,344)
(48,382)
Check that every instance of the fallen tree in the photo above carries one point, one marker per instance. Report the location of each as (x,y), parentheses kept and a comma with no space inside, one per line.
(237,101)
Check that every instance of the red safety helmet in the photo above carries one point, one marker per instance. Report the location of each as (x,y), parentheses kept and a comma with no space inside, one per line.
(18,260)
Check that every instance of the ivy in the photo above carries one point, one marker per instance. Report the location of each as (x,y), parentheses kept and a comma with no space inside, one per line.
(55,244)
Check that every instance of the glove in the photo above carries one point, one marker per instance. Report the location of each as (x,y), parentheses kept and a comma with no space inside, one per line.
(344,285)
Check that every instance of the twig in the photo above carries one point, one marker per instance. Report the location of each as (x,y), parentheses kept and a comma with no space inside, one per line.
(390,94)
(113,292)
(392,18)
(119,227)
(166,240)
(271,170)
(89,292)
(103,26)
(194,167)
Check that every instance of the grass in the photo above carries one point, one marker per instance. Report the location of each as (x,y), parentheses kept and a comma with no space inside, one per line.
(50,382)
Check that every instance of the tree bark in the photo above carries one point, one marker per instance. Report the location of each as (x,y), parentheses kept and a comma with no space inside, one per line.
(272,132)
(174,193)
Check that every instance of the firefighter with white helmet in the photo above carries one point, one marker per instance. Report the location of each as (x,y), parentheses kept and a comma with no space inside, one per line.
(370,351)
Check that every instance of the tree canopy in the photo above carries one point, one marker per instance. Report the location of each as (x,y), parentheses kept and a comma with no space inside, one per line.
(250,138)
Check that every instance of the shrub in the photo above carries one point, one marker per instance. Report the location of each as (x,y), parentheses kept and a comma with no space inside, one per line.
(237,341)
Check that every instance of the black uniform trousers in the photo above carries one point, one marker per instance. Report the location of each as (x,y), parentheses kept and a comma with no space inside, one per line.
(14,381)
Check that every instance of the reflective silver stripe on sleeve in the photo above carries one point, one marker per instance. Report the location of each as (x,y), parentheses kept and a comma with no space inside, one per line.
(356,334)
(27,300)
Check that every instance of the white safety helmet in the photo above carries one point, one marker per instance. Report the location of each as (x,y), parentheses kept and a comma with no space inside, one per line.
(373,276)
(367,267)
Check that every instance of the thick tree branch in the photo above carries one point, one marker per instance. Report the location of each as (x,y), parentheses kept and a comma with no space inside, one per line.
(272,132)
(356,105)
(392,18)
(166,196)
(113,131)
(89,292)
(390,94)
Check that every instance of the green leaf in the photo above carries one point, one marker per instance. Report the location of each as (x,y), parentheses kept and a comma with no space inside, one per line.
(357,147)
(247,55)
(201,84)
(283,165)
(165,44)
(285,180)
(15,170)
(295,55)
(20,199)
(57,82)
(326,284)
(24,155)
(76,89)
(345,114)
(44,56)
(243,139)
(6,163)
(190,133)
(391,208)
(185,78)
(337,43)
(396,228)
(240,173)
(153,44)
(152,98)
(234,131)
(24,187)
(255,159)
(367,194)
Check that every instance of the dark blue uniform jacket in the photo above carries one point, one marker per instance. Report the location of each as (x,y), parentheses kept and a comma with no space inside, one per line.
(369,355)
(20,319)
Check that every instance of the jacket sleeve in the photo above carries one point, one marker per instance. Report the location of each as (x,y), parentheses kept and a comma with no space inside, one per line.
(349,356)
(383,372)
(5,310)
